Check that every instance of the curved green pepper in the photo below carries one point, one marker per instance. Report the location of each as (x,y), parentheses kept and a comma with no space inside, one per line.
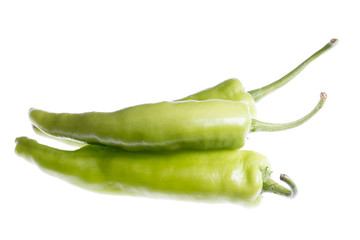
(233,89)
(202,125)
(230,175)
(226,130)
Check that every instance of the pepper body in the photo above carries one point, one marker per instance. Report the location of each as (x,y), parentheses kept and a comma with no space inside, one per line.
(211,124)
(230,175)
(231,89)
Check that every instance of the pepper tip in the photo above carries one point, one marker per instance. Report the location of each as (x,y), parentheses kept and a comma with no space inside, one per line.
(31,109)
(18,139)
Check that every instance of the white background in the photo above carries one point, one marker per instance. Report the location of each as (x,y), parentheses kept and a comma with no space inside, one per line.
(77,56)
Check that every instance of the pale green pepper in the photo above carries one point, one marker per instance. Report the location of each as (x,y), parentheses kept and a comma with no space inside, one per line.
(201,125)
(216,175)
(216,118)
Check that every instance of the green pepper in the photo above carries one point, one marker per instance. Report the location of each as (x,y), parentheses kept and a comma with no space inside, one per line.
(170,125)
(229,175)
(233,89)
(201,125)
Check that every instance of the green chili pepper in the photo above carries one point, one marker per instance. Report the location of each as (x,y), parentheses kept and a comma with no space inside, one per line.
(230,175)
(233,90)
(164,126)
(202,125)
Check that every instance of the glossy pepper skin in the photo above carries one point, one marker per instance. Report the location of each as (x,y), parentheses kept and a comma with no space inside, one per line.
(230,175)
(205,120)
(212,124)
(198,125)
(231,89)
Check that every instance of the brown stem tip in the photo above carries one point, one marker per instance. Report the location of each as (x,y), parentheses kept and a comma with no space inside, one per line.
(334,41)
(288,181)
(282,176)
(323,95)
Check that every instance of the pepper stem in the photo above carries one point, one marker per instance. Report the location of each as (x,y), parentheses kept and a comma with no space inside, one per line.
(259,93)
(270,185)
(257,126)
